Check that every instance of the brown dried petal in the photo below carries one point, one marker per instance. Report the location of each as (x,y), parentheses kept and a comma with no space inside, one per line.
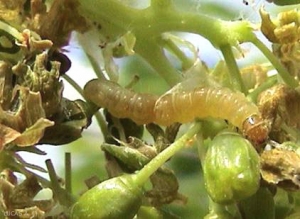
(12,10)
(7,135)
(287,33)
(280,104)
(30,109)
(23,194)
(6,83)
(60,21)
(34,133)
(165,188)
(267,26)
(28,119)
(30,213)
(281,167)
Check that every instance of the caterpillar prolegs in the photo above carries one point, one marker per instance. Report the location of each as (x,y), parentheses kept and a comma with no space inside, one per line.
(181,107)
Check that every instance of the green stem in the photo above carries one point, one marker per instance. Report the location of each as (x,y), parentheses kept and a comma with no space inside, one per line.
(132,82)
(20,167)
(201,147)
(224,211)
(154,55)
(63,196)
(101,123)
(148,24)
(53,177)
(233,70)
(73,84)
(267,84)
(282,71)
(117,14)
(117,19)
(218,32)
(216,208)
(68,172)
(143,175)
(95,67)
(11,31)
(172,47)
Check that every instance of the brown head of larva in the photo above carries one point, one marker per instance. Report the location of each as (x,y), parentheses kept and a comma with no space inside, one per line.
(255,129)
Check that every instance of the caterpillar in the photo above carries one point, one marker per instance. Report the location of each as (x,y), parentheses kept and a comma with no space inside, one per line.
(180,107)
(121,102)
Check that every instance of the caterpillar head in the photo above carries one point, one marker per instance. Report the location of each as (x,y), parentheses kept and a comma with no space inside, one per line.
(255,129)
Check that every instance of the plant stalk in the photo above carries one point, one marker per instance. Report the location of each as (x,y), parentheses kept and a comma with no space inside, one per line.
(143,175)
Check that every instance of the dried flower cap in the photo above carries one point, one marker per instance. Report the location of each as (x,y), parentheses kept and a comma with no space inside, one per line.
(284,29)
(12,11)
(284,33)
(281,167)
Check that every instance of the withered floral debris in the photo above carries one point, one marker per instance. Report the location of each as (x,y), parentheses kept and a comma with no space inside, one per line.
(33,109)
(281,167)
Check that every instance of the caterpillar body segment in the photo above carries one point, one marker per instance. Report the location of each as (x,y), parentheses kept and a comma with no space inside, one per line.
(121,102)
(204,102)
(183,106)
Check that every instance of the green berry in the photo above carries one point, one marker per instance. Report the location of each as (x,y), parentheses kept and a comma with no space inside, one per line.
(231,168)
(115,198)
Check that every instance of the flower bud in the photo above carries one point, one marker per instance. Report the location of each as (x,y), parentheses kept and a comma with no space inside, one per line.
(262,198)
(231,168)
(118,197)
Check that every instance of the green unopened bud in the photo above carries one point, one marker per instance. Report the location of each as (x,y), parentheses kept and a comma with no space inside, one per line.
(284,203)
(294,216)
(260,205)
(215,215)
(161,4)
(147,212)
(231,168)
(118,197)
